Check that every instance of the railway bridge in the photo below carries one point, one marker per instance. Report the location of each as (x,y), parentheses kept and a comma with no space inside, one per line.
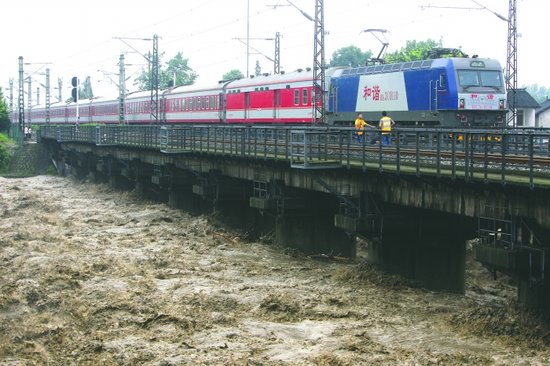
(416,201)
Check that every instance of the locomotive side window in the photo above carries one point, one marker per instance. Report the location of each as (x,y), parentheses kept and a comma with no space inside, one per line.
(443,81)
(304,96)
(296,96)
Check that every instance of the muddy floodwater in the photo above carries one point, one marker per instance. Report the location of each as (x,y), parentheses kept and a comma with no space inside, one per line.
(94,276)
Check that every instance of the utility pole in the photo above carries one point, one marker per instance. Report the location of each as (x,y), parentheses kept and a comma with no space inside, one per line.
(511,63)
(319,64)
(29,101)
(247,38)
(11,95)
(318,96)
(277,61)
(60,88)
(153,60)
(155,80)
(121,90)
(48,99)
(21,97)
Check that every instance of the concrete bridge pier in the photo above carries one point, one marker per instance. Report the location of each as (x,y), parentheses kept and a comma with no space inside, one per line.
(313,232)
(309,227)
(535,295)
(425,246)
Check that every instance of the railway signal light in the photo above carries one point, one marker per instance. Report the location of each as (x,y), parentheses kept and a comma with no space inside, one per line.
(74,91)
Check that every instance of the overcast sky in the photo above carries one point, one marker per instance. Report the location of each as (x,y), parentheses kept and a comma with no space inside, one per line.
(79,39)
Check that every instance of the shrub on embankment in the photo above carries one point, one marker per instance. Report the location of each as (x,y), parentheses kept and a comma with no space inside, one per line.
(5,154)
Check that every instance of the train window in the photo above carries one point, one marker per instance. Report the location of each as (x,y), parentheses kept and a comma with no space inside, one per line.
(407,65)
(296,96)
(426,64)
(361,70)
(304,96)
(378,68)
(468,78)
(206,103)
(491,78)
(287,86)
(443,81)
(477,63)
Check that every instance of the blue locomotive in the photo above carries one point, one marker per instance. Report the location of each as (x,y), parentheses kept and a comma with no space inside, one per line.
(447,92)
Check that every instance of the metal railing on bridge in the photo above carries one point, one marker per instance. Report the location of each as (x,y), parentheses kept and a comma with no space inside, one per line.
(511,156)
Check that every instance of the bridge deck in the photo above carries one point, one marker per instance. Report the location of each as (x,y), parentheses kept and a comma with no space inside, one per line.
(512,156)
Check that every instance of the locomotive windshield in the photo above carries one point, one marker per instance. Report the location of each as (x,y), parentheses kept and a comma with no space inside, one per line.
(472,78)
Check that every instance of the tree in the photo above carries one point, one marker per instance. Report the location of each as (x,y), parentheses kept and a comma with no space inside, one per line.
(4,114)
(178,67)
(413,51)
(85,90)
(176,73)
(350,56)
(540,93)
(233,74)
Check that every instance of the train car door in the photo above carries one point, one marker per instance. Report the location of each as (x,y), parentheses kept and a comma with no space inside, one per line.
(246,105)
(276,103)
(222,107)
(438,88)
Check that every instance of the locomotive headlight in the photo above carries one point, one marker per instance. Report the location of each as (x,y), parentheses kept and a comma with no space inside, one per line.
(461,103)
(501,104)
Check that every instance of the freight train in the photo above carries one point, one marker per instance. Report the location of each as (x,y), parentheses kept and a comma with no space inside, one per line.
(447,92)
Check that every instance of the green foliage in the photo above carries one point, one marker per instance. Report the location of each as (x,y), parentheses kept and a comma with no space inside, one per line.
(413,51)
(540,93)
(85,90)
(177,67)
(4,115)
(233,74)
(350,56)
(5,155)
